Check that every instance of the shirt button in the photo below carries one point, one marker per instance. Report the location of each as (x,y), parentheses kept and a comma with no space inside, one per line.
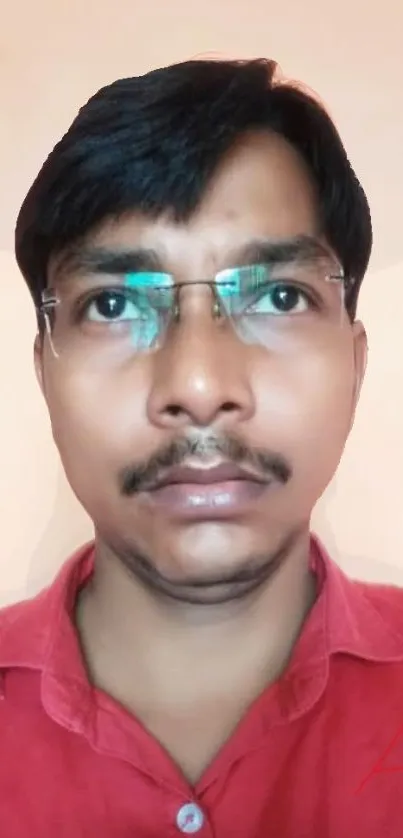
(190,818)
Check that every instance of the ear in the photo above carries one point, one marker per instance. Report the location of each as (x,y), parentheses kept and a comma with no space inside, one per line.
(38,362)
(360,348)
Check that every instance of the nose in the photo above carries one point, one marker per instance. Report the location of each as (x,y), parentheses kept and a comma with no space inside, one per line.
(200,379)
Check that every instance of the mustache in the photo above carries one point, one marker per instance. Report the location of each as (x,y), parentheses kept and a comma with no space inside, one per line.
(142,476)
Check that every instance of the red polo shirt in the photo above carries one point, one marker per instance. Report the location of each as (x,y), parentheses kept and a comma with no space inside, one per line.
(318,755)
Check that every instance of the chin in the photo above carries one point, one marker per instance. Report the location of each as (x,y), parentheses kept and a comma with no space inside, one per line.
(203,570)
(205,582)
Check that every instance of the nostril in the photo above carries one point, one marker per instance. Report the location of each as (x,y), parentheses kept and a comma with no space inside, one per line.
(174,410)
(229,407)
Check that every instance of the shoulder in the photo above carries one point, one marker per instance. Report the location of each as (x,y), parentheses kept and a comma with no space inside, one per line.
(23,631)
(385,600)
(370,621)
(362,619)
(27,627)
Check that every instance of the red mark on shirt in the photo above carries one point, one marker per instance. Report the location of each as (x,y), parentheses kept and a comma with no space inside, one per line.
(380,767)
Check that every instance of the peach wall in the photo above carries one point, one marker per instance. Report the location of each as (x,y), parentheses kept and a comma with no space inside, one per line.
(52,58)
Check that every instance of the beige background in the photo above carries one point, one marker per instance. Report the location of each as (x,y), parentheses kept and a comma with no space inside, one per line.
(53,56)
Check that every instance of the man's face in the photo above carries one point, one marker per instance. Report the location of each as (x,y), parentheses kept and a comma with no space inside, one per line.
(280,408)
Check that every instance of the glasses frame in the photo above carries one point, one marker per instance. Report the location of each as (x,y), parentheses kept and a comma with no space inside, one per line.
(50,299)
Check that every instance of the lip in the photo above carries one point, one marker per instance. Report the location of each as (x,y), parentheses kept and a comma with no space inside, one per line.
(220,492)
(206,476)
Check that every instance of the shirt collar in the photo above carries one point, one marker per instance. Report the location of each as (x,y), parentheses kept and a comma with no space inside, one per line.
(360,618)
(349,616)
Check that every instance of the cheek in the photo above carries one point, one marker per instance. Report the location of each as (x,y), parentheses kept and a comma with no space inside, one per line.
(306,406)
(98,422)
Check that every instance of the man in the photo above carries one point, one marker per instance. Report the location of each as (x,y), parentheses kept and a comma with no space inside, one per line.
(195,246)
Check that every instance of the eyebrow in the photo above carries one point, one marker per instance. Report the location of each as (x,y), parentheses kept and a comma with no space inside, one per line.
(300,249)
(93,259)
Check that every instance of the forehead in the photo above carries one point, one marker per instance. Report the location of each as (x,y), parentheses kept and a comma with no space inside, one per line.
(262,189)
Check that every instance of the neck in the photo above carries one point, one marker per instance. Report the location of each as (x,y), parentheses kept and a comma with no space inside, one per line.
(140,648)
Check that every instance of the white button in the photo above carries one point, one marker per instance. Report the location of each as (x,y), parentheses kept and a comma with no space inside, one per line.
(190,818)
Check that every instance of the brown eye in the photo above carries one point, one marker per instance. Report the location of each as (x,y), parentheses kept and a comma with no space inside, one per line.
(280,298)
(111,305)
(286,298)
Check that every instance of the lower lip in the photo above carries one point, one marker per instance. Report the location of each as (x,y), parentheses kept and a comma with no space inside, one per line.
(211,501)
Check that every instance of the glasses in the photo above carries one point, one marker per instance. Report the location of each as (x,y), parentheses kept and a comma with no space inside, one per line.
(138,312)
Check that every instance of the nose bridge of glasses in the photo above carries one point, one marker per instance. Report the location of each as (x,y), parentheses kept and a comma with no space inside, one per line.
(194,296)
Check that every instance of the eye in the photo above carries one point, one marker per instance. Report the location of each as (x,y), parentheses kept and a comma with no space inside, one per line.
(280,298)
(112,305)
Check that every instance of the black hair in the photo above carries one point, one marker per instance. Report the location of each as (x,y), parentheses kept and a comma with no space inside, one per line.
(153,142)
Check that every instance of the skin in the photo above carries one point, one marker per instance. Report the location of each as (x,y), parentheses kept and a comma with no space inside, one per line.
(152,637)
